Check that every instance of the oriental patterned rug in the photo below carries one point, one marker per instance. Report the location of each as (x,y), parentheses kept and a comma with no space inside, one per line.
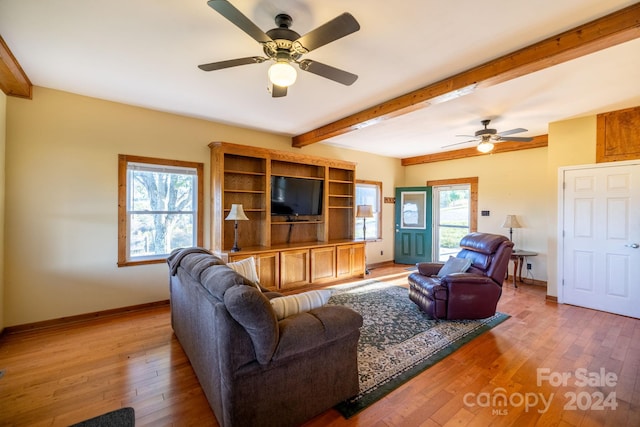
(397,340)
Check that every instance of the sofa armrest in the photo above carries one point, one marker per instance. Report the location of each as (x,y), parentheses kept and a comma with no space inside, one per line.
(314,329)
(429,268)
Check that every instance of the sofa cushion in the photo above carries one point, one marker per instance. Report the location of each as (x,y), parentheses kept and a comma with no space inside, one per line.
(247,269)
(454,265)
(292,304)
(251,309)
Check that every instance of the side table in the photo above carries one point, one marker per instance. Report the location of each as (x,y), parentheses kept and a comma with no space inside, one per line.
(519,258)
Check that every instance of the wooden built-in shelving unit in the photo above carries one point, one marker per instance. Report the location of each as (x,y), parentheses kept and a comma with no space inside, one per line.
(289,253)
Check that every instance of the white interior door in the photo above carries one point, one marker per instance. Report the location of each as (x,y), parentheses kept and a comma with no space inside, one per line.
(601,228)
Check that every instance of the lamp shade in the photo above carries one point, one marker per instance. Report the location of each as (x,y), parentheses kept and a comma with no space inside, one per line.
(511,221)
(236,213)
(364,211)
(282,74)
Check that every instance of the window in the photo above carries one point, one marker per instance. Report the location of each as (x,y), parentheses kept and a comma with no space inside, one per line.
(368,193)
(455,204)
(159,208)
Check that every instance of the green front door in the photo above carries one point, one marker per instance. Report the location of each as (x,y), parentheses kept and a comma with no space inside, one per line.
(413,225)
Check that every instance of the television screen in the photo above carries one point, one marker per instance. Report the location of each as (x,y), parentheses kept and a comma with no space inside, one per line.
(296,196)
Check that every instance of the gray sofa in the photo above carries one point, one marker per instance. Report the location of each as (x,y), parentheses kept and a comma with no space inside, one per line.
(254,369)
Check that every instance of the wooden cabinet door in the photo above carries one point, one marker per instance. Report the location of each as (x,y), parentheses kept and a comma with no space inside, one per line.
(350,260)
(358,264)
(267,267)
(294,268)
(343,261)
(323,264)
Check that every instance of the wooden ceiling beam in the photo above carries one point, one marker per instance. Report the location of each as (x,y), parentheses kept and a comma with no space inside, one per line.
(602,33)
(13,79)
(502,147)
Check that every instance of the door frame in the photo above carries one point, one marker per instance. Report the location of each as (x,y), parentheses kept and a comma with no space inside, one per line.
(561,211)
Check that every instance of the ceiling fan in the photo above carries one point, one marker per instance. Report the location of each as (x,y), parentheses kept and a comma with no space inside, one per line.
(488,137)
(284,46)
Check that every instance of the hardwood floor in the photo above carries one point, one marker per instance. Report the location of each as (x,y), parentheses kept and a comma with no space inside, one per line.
(62,375)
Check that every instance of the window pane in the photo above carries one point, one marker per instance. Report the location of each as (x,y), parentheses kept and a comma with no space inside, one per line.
(159,234)
(368,194)
(168,192)
(453,220)
(161,216)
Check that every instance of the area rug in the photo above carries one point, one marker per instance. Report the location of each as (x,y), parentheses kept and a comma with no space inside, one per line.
(397,340)
(123,417)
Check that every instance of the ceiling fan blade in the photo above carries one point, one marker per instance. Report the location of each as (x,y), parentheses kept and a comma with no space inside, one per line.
(327,71)
(226,9)
(466,136)
(231,63)
(511,132)
(335,29)
(278,91)
(517,139)
(460,143)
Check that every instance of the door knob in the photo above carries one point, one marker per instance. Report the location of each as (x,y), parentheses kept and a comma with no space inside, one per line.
(633,245)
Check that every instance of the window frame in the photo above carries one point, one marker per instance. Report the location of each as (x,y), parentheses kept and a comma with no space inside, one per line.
(123,216)
(377,210)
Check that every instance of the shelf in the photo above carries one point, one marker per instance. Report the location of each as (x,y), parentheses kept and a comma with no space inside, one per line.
(341,175)
(295,222)
(298,176)
(248,209)
(340,207)
(339,181)
(245,191)
(341,195)
(237,172)
(297,169)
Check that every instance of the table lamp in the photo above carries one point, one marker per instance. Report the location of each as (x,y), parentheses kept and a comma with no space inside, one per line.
(511,222)
(236,214)
(364,212)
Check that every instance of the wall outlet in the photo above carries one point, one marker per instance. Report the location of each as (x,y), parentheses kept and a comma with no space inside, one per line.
(528,266)
(381,252)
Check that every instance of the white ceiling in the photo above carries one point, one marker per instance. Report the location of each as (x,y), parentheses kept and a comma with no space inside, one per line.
(146,52)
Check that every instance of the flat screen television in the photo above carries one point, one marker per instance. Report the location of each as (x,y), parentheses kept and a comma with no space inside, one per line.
(296,196)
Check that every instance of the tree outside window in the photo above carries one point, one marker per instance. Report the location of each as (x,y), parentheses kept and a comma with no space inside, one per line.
(160,208)
(369,193)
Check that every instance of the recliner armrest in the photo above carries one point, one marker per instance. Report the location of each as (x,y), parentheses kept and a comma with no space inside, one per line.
(313,329)
(455,279)
(429,268)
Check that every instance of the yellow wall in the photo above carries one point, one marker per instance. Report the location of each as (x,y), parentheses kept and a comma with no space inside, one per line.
(61,198)
(508,183)
(571,142)
(3,128)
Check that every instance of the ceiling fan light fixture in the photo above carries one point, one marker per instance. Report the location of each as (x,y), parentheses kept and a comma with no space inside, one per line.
(485,146)
(282,74)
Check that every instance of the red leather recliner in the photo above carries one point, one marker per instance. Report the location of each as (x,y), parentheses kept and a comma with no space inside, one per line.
(473,294)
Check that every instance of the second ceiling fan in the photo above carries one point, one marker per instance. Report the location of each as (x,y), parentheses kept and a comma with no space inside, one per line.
(488,137)
(284,46)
